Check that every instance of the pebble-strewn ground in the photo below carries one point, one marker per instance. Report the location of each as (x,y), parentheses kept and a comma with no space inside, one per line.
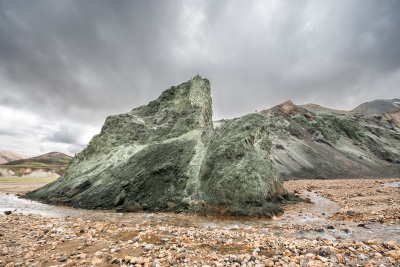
(33,240)
(360,200)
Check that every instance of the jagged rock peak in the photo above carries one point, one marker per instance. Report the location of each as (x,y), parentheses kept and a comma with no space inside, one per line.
(178,110)
(190,100)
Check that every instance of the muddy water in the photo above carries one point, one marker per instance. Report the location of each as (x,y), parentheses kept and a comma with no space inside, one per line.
(310,223)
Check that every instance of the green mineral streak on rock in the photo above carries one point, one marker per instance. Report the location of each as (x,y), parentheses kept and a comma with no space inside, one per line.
(167,156)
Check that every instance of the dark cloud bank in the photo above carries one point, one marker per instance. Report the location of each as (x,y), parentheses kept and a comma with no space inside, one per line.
(71,63)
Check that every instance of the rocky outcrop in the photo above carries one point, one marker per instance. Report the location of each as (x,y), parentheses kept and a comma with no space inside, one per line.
(317,142)
(169,156)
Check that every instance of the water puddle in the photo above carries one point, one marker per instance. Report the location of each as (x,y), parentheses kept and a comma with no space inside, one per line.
(310,222)
(321,209)
(393,184)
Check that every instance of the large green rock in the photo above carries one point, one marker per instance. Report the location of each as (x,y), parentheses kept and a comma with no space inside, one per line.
(168,156)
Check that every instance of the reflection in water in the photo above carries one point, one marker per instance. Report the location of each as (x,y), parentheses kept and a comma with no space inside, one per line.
(311,223)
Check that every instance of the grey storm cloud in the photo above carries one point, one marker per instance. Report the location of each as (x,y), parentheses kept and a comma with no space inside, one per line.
(83,60)
(64,135)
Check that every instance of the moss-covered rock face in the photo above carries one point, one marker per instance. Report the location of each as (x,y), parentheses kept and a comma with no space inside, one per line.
(167,156)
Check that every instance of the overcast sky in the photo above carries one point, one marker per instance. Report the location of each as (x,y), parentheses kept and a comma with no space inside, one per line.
(65,65)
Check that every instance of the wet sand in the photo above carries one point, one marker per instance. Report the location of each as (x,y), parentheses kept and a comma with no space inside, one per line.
(340,228)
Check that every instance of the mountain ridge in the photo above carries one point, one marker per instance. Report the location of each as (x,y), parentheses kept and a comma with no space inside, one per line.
(48,164)
(378,106)
(8,155)
(311,141)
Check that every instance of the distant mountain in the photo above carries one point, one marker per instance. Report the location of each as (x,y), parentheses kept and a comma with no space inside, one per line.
(379,106)
(7,156)
(321,109)
(311,141)
(49,164)
(51,158)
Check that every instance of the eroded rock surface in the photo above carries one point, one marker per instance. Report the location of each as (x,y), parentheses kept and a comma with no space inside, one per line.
(168,155)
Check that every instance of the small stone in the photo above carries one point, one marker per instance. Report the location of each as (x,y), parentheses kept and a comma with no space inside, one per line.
(351,212)
(363,258)
(155,263)
(323,259)
(324,251)
(219,240)
(378,255)
(149,247)
(115,260)
(232,258)
(310,256)
(29,255)
(7,212)
(63,259)
(340,258)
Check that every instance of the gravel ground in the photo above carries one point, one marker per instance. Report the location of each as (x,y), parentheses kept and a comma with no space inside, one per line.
(33,240)
(360,200)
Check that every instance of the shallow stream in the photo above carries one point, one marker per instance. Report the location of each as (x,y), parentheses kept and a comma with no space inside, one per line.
(310,223)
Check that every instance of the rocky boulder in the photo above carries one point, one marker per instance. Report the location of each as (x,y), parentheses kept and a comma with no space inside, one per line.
(169,156)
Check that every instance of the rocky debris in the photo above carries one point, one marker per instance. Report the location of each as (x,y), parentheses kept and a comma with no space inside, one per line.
(170,156)
(31,240)
(316,142)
